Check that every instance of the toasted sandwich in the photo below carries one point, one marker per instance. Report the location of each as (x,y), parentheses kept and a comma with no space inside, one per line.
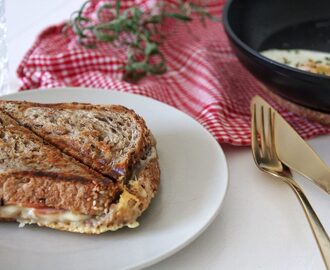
(76,167)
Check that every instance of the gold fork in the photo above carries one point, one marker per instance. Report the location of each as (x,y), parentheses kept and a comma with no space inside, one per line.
(265,156)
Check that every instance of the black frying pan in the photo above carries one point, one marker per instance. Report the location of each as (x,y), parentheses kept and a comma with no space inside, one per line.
(255,25)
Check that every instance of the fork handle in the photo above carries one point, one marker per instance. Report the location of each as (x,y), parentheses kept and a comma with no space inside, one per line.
(319,232)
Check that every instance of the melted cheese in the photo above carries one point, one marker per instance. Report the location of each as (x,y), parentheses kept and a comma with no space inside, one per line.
(151,155)
(33,215)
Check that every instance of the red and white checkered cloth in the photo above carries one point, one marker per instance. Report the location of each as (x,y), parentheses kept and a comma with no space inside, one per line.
(204,77)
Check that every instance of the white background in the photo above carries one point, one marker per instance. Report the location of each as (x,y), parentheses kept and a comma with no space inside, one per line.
(261,224)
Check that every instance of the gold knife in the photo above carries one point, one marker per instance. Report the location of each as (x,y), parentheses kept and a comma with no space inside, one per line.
(294,152)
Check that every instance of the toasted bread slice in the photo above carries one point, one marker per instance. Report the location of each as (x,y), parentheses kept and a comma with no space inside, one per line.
(109,139)
(38,175)
(41,184)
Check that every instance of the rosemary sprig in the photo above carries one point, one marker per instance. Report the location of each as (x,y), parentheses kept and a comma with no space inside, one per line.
(135,30)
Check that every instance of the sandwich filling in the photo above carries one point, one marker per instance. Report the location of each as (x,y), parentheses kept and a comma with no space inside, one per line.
(49,215)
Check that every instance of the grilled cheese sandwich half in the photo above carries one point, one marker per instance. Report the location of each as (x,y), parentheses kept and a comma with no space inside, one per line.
(43,184)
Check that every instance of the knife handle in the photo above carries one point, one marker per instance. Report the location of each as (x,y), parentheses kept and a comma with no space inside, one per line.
(321,236)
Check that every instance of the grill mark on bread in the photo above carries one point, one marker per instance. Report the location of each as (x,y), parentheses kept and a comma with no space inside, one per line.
(56,176)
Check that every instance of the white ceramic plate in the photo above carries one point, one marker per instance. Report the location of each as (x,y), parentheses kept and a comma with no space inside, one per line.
(194,180)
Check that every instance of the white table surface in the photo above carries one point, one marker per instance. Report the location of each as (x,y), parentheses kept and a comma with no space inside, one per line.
(261,224)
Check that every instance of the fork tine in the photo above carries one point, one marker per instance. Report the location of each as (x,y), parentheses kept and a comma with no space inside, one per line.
(270,139)
(262,121)
(254,133)
(260,127)
(272,131)
(272,146)
(262,132)
(269,129)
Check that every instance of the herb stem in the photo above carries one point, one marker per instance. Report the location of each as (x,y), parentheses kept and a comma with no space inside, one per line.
(138,31)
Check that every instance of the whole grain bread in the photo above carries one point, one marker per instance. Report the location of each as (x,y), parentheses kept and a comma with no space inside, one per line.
(109,139)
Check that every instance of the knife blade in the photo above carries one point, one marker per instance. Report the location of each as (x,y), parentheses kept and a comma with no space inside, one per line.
(294,152)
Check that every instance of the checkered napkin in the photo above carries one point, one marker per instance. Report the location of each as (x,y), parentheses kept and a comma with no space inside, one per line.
(204,77)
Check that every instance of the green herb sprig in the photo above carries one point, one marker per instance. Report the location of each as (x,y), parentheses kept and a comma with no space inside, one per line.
(136,30)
